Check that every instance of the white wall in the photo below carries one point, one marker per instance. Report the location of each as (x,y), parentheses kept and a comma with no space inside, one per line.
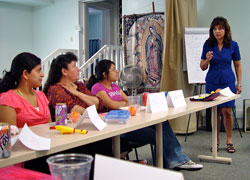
(16,28)
(141,6)
(39,30)
(54,27)
(106,35)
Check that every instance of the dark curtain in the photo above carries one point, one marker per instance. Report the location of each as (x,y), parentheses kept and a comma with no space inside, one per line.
(94,46)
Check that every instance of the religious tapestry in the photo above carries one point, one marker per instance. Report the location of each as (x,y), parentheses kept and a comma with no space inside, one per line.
(143,45)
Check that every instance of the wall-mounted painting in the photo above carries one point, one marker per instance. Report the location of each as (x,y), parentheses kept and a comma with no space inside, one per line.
(143,45)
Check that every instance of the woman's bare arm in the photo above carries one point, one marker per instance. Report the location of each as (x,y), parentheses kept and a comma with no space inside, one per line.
(238,71)
(205,62)
(109,102)
(8,115)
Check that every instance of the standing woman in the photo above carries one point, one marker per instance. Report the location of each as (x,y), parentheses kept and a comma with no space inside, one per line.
(218,53)
(19,102)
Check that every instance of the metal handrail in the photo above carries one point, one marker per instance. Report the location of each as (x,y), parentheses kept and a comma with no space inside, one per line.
(111,52)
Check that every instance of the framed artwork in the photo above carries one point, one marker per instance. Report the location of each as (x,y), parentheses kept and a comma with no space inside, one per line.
(143,45)
(246,115)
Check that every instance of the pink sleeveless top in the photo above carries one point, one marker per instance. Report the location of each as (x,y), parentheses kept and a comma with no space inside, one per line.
(25,112)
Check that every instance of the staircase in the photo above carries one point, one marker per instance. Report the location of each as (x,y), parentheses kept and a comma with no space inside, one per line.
(48,60)
(110,52)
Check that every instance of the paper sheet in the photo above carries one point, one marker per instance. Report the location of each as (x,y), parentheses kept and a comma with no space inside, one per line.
(227,92)
(33,141)
(107,168)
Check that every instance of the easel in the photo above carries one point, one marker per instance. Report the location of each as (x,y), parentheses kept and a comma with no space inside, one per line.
(198,113)
(196,86)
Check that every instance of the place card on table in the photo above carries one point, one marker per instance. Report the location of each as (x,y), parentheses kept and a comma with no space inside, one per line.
(176,99)
(94,118)
(156,102)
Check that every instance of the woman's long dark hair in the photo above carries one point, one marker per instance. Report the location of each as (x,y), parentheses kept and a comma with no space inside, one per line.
(55,72)
(101,67)
(23,61)
(227,38)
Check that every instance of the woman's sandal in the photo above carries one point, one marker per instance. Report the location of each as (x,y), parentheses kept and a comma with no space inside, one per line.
(144,161)
(230,148)
(217,148)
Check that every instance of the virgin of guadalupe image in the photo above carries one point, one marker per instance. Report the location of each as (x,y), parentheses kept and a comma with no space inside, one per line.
(153,51)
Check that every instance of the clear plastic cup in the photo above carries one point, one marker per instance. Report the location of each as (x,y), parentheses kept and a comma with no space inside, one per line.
(134,104)
(132,100)
(70,166)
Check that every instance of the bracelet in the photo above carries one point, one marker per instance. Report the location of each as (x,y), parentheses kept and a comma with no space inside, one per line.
(240,85)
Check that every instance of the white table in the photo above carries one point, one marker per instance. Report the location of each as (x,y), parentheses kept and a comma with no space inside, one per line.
(63,142)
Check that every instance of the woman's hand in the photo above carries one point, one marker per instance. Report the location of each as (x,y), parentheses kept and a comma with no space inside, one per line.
(72,89)
(88,99)
(238,89)
(205,62)
(209,55)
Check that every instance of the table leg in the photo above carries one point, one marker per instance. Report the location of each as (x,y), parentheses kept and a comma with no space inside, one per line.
(116,146)
(159,146)
(214,156)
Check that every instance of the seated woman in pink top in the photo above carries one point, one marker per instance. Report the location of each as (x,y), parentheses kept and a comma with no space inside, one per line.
(19,102)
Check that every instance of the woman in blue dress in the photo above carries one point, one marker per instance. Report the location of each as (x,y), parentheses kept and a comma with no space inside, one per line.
(219,51)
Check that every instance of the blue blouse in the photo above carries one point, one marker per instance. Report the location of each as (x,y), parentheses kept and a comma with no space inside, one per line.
(220,70)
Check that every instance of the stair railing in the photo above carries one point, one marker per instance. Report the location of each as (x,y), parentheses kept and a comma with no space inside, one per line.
(110,52)
(46,62)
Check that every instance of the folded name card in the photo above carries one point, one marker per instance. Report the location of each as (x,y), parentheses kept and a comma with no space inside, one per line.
(94,118)
(176,99)
(156,102)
